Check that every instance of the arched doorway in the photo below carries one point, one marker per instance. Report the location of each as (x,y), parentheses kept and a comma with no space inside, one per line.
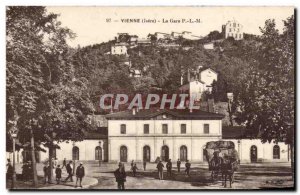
(123,154)
(75,153)
(98,153)
(276,152)
(146,154)
(165,153)
(183,153)
(253,154)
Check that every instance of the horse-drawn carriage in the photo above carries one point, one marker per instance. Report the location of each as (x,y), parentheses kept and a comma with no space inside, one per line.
(222,159)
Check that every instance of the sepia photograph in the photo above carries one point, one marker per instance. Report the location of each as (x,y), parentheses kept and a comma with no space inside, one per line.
(150,98)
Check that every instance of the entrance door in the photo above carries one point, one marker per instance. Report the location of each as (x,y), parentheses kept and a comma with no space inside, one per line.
(146,154)
(183,153)
(165,153)
(75,153)
(123,154)
(98,153)
(253,154)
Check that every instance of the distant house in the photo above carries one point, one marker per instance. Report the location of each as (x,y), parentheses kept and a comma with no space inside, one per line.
(135,73)
(208,45)
(176,35)
(194,89)
(207,76)
(119,49)
(143,41)
(233,29)
(161,35)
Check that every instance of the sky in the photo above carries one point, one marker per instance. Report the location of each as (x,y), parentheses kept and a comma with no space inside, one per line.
(91,26)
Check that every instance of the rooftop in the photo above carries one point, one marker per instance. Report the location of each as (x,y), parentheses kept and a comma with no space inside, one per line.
(183,114)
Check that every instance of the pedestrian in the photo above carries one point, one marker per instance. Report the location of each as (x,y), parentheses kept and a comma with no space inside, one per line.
(120,176)
(46,170)
(169,168)
(187,167)
(9,171)
(134,169)
(25,171)
(178,165)
(132,163)
(144,165)
(160,169)
(58,174)
(64,163)
(79,174)
(69,168)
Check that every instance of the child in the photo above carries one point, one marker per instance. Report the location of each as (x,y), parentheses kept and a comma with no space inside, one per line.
(58,173)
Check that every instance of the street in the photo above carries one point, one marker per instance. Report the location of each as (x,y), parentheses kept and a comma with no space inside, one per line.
(249,176)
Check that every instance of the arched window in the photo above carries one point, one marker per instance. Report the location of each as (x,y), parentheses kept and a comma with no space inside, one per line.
(75,153)
(183,153)
(253,154)
(276,152)
(146,154)
(123,154)
(165,153)
(98,153)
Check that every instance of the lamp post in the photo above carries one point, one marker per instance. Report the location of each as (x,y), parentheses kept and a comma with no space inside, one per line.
(14,134)
(99,151)
(73,157)
(239,150)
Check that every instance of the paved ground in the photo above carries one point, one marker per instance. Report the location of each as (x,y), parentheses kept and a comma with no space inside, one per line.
(257,176)
(248,177)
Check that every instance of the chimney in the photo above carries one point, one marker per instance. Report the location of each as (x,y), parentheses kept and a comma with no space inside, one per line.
(133,111)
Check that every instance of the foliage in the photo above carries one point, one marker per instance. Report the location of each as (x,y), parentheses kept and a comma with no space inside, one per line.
(265,95)
(43,94)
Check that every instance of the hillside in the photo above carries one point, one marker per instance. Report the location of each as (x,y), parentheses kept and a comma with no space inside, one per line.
(161,68)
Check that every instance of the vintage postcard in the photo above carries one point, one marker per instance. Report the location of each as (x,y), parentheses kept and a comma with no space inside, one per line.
(150,98)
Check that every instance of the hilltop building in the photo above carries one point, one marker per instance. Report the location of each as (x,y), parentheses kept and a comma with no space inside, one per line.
(233,29)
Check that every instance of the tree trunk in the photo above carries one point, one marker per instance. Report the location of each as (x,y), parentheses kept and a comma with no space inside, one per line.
(50,161)
(35,178)
(292,162)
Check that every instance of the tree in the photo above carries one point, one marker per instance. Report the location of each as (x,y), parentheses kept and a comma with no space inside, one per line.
(43,95)
(265,95)
(214,35)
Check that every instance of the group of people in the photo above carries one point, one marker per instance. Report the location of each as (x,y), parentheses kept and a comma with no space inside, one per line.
(160,167)
(80,173)
(120,173)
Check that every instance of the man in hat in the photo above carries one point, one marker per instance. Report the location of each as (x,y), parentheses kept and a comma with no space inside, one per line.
(178,165)
(160,169)
(79,174)
(58,173)
(169,168)
(120,176)
(187,167)
(64,163)
(69,168)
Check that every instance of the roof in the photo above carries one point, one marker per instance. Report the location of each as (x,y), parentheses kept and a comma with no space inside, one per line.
(184,114)
(208,69)
(235,132)
(101,134)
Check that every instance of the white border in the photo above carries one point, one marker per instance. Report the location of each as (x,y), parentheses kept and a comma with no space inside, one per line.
(5,3)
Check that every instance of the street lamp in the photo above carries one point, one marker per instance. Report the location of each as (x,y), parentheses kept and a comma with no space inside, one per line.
(73,157)
(99,151)
(14,133)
